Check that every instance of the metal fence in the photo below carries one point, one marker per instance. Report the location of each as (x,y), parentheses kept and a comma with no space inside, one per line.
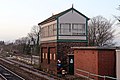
(88,75)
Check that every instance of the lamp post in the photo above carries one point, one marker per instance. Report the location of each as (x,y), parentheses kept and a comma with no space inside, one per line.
(31,45)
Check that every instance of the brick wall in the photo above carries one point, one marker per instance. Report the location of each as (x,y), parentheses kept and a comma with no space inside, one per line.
(48,58)
(86,60)
(60,50)
(96,61)
(63,49)
(107,63)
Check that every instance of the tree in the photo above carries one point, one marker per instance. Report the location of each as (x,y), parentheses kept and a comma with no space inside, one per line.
(2,43)
(100,32)
(117,17)
(35,33)
(21,45)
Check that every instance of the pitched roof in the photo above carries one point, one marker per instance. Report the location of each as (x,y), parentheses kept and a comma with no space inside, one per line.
(50,19)
(54,17)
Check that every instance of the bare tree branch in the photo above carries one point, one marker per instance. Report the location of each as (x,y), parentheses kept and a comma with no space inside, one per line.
(100,32)
(117,17)
(35,33)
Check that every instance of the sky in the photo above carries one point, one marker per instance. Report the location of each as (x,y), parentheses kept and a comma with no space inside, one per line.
(17,17)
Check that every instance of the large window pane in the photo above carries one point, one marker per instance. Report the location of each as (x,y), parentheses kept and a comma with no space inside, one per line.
(65,29)
(78,29)
(54,29)
(50,30)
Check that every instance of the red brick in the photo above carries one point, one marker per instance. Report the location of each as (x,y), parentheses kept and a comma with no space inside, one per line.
(96,61)
(61,49)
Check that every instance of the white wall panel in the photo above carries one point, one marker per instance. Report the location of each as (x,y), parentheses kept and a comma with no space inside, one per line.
(72,17)
(118,63)
(49,38)
(73,37)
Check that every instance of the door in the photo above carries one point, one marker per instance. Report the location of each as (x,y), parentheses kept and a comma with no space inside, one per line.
(71,64)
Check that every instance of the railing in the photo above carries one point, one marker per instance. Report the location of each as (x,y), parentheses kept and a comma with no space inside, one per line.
(94,75)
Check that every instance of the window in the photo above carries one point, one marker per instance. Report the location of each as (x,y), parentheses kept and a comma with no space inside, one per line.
(54,56)
(46,55)
(72,29)
(65,29)
(50,56)
(78,29)
(44,32)
(43,56)
(50,30)
(54,29)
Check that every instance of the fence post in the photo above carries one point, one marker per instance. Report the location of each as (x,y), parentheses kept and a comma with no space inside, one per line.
(88,75)
(104,77)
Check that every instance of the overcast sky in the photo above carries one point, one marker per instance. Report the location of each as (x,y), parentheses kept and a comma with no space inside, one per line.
(18,16)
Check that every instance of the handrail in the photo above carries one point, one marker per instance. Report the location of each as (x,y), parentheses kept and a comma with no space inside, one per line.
(111,77)
(96,75)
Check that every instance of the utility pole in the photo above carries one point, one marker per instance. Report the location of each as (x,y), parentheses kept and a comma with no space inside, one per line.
(31,45)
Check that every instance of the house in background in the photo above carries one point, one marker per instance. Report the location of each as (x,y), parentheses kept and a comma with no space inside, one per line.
(58,34)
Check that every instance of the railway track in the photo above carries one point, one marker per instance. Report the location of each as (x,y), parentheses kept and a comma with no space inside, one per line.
(29,72)
(6,74)
(30,69)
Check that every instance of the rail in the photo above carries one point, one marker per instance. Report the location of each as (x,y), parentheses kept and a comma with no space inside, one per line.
(6,74)
(2,77)
(30,69)
(94,75)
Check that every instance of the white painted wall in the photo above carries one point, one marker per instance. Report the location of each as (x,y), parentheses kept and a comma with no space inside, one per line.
(118,63)
(49,38)
(73,37)
(72,17)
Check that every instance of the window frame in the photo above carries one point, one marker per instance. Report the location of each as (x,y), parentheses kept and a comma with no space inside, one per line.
(80,30)
(60,28)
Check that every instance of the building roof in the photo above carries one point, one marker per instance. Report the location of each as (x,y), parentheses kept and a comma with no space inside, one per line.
(54,17)
(93,48)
